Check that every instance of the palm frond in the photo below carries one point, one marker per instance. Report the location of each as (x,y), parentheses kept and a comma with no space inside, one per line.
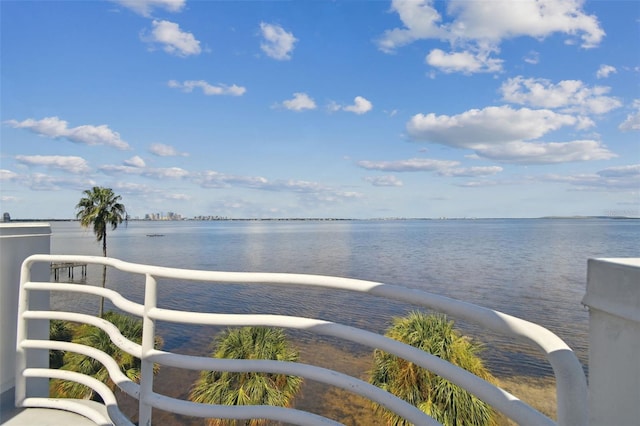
(228,388)
(88,335)
(436,396)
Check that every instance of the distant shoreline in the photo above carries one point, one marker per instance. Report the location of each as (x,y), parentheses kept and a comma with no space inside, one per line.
(328,219)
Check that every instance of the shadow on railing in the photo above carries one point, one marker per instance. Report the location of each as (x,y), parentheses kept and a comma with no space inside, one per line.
(570,379)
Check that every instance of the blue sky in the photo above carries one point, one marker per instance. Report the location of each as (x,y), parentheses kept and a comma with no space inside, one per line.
(347,109)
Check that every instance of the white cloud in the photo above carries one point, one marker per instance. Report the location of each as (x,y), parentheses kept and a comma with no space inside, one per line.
(294,185)
(532,57)
(145,7)
(310,191)
(605,71)
(568,95)
(278,43)
(115,170)
(169,172)
(441,167)
(43,182)
(388,180)
(300,101)
(504,19)
(503,134)
(153,173)
(632,122)
(135,161)
(7,174)
(134,188)
(211,179)
(421,21)
(632,170)
(207,89)
(464,62)
(360,106)
(175,41)
(547,153)
(471,171)
(148,192)
(475,29)
(162,150)
(479,184)
(410,165)
(490,125)
(54,127)
(68,164)
(256,182)
(179,197)
(618,178)
(334,106)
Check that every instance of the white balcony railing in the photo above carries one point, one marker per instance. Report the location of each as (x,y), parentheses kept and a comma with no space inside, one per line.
(570,379)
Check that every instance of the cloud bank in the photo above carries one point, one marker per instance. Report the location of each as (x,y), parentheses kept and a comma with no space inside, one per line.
(87,134)
(508,135)
(70,164)
(475,29)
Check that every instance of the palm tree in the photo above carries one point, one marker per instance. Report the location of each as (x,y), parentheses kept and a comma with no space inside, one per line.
(436,396)
(88,335)
(228,388)
(99,208)
(61,331)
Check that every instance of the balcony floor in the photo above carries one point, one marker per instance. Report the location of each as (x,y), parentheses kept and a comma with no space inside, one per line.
(44,417)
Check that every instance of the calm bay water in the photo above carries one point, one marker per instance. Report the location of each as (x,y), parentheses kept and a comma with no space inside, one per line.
(531,268)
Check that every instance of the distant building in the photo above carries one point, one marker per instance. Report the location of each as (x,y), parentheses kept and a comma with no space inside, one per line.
(6,217)
(162,216)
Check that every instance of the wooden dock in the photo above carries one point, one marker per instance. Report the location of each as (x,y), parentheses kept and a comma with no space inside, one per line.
(69,267)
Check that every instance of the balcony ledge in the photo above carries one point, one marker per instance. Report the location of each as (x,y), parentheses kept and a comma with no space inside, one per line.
(48,416)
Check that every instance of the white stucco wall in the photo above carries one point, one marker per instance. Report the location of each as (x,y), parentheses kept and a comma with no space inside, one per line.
(613,298)
(17,242)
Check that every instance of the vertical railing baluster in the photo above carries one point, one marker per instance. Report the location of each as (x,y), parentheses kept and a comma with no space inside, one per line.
(148,342)
(21,335)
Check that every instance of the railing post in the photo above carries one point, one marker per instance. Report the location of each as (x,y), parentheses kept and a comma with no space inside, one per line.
(148,343)
(17,242)
(613,298)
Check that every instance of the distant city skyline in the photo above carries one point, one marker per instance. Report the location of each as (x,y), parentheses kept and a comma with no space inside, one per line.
(411,109)
(163,216)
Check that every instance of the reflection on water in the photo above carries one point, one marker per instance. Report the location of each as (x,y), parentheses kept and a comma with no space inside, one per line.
(534,269)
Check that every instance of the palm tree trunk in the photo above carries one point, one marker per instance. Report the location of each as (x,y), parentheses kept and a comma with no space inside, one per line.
(104,270)
(104,280)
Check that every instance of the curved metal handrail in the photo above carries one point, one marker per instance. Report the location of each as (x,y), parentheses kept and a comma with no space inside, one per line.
(571,383)
(109,399)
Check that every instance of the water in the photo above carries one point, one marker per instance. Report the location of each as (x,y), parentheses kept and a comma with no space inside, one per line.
(533,269)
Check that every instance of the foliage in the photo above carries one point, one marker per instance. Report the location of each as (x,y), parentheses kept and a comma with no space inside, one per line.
(61,331)
(229,388)
(436,396)
(88,335)
(99,208)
